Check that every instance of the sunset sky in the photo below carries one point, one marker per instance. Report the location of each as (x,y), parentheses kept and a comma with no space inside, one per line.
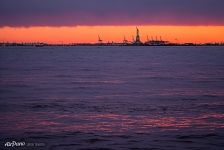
(69,21)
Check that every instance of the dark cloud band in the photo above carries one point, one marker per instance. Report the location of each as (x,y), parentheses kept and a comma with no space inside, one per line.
(110,12)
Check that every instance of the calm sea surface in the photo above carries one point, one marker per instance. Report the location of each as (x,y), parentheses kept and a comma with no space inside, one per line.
(112,98)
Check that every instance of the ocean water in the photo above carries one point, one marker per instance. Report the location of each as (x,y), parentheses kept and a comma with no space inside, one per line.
(112,98)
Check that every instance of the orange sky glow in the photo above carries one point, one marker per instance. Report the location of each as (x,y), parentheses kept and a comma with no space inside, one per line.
(89,34)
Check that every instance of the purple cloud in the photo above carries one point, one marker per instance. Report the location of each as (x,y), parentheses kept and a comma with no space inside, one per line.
(110,12)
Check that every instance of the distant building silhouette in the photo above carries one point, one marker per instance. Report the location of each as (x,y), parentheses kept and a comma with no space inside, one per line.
(137,39)
(156,41)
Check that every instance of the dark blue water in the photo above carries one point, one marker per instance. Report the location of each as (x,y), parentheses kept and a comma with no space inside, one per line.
(112,97)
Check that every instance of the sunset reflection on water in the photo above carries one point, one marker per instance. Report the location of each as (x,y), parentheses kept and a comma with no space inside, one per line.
(116,123)
(78,95)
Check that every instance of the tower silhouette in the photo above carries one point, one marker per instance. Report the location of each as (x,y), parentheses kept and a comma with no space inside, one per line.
(137,40)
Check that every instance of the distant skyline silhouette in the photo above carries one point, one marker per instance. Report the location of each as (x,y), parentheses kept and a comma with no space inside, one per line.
(89,34)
